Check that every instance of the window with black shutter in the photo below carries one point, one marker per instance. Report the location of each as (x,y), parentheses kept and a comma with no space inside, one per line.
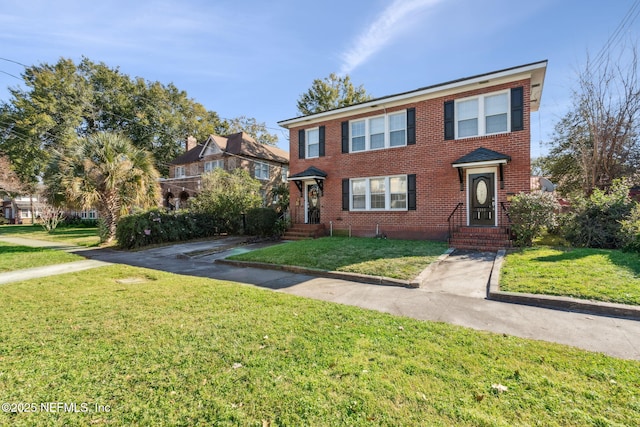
(449,120)
(517,109)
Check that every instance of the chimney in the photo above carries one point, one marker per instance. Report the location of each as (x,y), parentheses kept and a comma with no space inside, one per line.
(190,143)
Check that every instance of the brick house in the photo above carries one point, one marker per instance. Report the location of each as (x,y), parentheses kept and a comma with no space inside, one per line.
(270,165)
(434,163)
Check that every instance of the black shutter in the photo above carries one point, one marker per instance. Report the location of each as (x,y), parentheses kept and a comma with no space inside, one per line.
(345,137)
(411,192)
(301,145)
(411,126)
(321,142)
(345,194)
(517,109)
(449,120)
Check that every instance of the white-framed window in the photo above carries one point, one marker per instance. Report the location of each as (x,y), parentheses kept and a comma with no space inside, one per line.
(262,170)
(313,143)
(379,193)
(285,173)
(482,115)
(375,133)
(180,171)
(213,164)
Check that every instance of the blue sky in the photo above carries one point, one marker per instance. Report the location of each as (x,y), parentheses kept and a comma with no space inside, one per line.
(255,57)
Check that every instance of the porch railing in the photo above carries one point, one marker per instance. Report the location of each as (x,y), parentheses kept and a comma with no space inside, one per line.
(456,219)
(505,218)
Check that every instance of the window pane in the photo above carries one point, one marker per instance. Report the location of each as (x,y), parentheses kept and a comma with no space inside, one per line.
(398,189)
(358,136)
(313,150)
(313,139)
(497,123)
(467,128)
(377,188)
(377,141)
(467,109)
(495,104)
(397,138)
(357,144)
(397,122)
(376,132)
(358,189)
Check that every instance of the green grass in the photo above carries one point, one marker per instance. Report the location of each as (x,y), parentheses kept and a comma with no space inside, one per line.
(399,259)
(15,257)
(161,349)
(594,274)
(77,236)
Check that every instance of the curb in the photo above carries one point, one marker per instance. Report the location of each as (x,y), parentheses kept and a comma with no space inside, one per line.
(353,277)
(555,302)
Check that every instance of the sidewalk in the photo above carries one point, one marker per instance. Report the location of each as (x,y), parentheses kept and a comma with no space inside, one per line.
(454,293)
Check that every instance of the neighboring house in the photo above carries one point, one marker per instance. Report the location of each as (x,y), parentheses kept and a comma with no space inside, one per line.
(269,165)
(434,163)
(18,210)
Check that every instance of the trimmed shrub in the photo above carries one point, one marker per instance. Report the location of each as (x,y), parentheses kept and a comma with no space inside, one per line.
(155,226)
(530,213)
(596,221)
(630,230)
(261,222)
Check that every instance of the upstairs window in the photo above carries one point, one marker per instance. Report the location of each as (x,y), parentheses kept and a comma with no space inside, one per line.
(482,115)
(379,132)
(213,164)
(313,143)
(262,171)
(180,171)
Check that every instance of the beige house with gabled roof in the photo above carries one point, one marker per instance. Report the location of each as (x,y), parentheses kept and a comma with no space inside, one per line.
(269,165)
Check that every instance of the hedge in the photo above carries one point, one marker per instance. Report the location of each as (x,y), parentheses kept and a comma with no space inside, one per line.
(156,226)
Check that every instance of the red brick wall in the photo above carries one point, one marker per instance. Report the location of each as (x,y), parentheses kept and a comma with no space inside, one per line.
(438,185)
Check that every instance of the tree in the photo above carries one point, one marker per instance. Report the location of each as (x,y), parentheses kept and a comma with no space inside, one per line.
(227,195)
(65,101)
(597,141)
(103,171)
(329,93)
(257,131)
(9,182)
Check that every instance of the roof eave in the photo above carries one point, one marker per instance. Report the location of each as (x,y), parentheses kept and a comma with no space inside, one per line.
(536,72)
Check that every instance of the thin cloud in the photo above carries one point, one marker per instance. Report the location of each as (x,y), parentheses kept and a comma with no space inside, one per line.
(384,29)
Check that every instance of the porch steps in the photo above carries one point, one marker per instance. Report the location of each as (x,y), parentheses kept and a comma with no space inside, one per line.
(487,239)
(304,231)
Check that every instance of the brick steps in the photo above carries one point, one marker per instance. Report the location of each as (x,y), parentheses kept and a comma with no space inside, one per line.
(488,239)
(304,231)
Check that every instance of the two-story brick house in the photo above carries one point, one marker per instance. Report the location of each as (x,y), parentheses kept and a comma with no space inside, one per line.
(269,165)
(429,163)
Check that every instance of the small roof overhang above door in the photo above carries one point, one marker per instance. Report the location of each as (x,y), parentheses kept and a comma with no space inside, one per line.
(481,157)
(312,173)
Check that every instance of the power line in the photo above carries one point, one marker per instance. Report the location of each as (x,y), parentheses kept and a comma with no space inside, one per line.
(626,21)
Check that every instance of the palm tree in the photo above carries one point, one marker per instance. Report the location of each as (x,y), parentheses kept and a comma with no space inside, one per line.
(106,172)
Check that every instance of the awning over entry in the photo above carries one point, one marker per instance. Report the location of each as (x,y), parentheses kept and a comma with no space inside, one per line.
(311,173)
(481,157)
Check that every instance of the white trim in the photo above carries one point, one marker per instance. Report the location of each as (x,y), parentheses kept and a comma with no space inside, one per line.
(306,143)
(306,178)
(471,171)
(535,72)
(479,164)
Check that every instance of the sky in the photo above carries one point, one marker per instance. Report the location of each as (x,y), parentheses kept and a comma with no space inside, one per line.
(255,58)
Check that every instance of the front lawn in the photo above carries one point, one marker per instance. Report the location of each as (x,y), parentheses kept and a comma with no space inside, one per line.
(593,274)
(153,348)
(398,259)
(15,257)
(77,236)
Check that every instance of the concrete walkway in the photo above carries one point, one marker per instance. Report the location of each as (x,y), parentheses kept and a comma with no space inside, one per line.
(454,293)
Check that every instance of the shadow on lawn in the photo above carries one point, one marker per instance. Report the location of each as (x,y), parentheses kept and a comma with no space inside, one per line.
(13,249)
(626,260)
